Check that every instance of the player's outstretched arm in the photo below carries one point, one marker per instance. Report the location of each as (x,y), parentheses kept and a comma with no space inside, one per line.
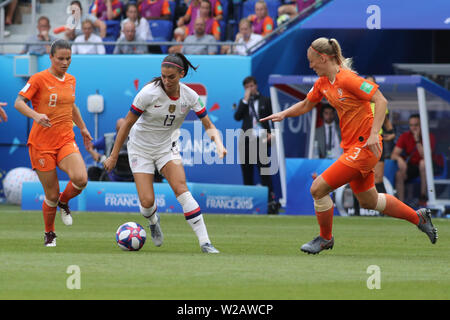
(122,134)
(295,110)
(214,135)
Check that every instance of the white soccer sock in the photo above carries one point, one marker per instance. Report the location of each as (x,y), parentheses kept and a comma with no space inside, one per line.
(194,216)
(149,213)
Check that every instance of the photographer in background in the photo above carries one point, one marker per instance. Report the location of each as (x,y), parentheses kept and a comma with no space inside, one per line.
(252,107)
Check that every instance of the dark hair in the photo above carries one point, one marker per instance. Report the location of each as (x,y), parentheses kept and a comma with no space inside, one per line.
(326,106)
(59,44)
(76,2)
(370,76)
(177,61)
(414,115)
(210,7)
(44,18)
(248,80)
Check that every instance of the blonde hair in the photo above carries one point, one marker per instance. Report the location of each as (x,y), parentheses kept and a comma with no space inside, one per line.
(332,49)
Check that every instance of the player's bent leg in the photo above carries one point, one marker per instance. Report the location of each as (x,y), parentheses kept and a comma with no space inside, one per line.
(72,163)
(368,199)
(173,171)
(147,205)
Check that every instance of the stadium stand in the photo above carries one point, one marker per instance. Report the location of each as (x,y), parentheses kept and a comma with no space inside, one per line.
(162,30)
(112,34)
(233,11)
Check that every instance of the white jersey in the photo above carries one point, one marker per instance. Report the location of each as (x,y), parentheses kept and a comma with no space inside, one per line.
(161,117)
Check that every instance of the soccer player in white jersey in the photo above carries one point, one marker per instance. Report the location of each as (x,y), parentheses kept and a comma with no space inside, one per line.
(152,123)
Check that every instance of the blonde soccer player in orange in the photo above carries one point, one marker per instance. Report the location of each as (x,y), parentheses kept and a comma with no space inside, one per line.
(350,95)
(51,142)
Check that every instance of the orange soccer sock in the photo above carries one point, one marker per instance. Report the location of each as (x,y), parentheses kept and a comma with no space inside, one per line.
(397,209)
(325,219)
(49,213)
(71,191)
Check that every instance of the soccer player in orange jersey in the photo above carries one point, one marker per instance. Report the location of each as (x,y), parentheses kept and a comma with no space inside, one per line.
(350,95)
(51,142)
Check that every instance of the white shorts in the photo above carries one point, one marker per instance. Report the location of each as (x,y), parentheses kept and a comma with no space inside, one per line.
(143,162)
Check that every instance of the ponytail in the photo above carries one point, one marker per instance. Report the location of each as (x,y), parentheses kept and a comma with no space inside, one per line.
(332,49)
(178,61)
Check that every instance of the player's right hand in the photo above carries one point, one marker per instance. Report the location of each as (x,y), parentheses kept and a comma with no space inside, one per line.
(276,117)
(110,163)
(42,120)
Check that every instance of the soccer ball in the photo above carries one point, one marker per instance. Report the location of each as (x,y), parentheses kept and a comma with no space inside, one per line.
(12,183)
(131,236)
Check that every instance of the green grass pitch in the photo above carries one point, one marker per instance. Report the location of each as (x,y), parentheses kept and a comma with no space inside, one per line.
(259,259)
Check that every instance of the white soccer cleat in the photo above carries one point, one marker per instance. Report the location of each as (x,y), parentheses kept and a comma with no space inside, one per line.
(156,233)
(66,217)
(209,248)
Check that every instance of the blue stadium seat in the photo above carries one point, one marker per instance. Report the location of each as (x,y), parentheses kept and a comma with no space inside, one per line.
(112,29)
(223,30)
(172,5)
(109,49)
(161,29)
(272,8)
(225,5)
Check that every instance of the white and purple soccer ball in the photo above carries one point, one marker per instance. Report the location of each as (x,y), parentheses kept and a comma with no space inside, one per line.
(13,181)
(131,236)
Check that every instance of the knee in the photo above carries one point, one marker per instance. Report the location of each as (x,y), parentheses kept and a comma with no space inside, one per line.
(80,180)
(52,196)
(147,202)
(315,190)
(422,165)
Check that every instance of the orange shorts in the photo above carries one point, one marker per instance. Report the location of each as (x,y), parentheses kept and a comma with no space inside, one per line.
(47,160)
(355,166)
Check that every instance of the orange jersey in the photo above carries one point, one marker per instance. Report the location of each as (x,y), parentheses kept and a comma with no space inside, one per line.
(55,98)
(350,95)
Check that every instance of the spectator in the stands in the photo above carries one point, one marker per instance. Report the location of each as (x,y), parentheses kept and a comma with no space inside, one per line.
(212,25)
(292,8)
(86,42)
(43,28)
(262,23)
(10,10)
(193,12)
(409,154)
(72,33)
(246,41)
(179,36)
(107,9)
(201,39)
(122,45)
(142,28)
(154,9)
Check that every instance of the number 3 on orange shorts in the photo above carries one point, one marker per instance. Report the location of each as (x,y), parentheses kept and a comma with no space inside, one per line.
(355,153)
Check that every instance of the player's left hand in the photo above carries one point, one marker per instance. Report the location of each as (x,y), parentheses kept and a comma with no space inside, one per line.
(373,143)
(221,151)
